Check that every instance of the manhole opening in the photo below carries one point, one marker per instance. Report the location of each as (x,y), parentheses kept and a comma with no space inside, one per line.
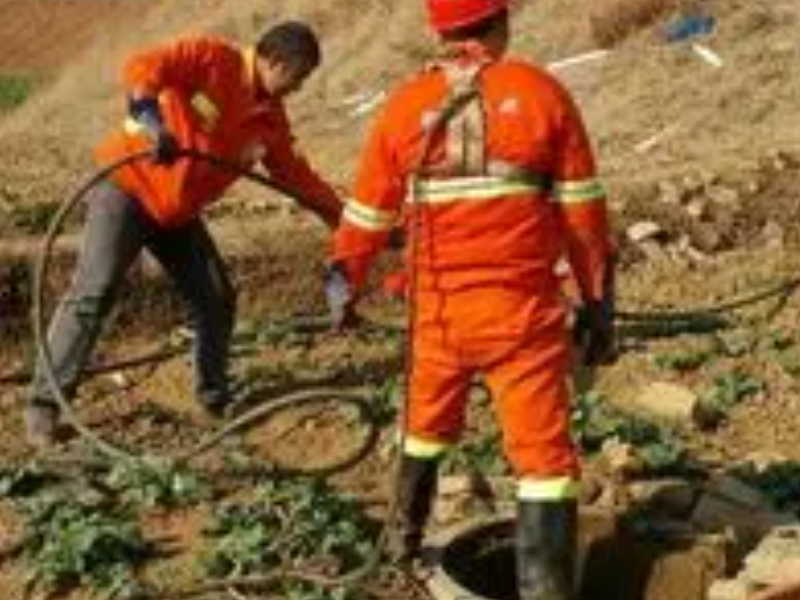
(613,564)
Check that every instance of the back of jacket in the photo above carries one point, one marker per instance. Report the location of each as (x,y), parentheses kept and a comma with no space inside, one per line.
(494,205)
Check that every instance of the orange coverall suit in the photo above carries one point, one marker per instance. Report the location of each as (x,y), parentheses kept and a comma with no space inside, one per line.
(484,242)
(212,101)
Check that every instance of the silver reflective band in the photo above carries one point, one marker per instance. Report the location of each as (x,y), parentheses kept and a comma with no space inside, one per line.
(419,448)
(206,109)
(441,191)
(575,192)
(367,217)
(555,488)
(133,127)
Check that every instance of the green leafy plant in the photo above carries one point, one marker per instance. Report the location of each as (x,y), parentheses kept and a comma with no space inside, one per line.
(14,90)
(682,360)
(779,482)
(25,480)
(482,453)
(156,483)
(69,544)
(292,522)
(594,421)
(34,218)
(728,390)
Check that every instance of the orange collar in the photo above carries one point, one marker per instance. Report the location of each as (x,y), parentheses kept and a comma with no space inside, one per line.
(252,81)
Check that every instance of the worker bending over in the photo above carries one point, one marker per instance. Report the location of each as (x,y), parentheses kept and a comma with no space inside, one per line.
(201,93)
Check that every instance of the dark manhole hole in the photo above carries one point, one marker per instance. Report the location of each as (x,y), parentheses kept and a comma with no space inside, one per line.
(476,562)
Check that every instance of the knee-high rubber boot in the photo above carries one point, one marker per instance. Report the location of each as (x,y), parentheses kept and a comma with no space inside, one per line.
(545,548)
(415,497)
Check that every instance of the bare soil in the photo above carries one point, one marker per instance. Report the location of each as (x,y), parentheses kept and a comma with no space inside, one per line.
(726,137)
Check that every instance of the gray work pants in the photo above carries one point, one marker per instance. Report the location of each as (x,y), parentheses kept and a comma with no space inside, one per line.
(116,230)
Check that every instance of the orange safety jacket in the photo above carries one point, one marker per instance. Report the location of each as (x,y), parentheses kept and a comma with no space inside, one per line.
(212,101)
(524,192)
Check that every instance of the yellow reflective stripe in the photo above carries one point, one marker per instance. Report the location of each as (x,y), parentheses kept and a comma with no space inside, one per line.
(573,192)
(206,108)
(439,191)
(133,127)
(557,488)
(419,448)
(368,217)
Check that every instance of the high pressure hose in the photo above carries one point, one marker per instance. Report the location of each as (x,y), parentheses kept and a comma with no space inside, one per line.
(114,453)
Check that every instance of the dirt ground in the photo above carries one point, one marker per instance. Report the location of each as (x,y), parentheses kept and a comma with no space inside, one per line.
(709,153)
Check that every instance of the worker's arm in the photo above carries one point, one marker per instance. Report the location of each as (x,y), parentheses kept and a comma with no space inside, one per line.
(367,222)
(291,169)
(581,204)
(370,216)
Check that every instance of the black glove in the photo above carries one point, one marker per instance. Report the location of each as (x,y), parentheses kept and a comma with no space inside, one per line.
(146,112)
(397,238)
(594,330)
(340,298)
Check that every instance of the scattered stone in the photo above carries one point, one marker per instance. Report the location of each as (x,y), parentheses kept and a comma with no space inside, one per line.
(644,231)
(693,254)
(692,184)
(591,491)
(620,459)
(753,187)
(728,502)
(728,589)
(723,195)
(669,401)
(762,460)
(773,235)
(670,193)
(776,560)
(697,209)
(672,497)
(459,495)
(707,238)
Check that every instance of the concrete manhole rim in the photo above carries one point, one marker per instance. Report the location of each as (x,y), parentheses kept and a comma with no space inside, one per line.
(440,584)
(443,586)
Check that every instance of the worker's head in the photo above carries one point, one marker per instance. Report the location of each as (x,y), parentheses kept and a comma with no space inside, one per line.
(285,56)
(462,20)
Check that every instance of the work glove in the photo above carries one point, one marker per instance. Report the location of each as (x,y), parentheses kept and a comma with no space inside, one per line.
(595,330)
(340,298)
(146,112)
(397,238)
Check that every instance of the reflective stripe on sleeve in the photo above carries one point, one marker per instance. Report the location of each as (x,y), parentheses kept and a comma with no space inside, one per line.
(133,127)
(368,217)
(576,192)
(545,489)
(206,110)
(420,448)
(442,191)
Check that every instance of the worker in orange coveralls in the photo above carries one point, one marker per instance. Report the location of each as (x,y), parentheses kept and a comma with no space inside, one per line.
(486,161)
(201,93)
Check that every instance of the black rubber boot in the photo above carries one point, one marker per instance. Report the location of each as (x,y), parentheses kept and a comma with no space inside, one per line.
(546,547)
(415,497)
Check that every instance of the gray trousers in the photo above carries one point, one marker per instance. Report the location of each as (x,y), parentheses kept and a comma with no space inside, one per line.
(116,231)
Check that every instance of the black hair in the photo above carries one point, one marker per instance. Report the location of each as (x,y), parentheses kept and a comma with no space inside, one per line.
(477,30)
(292,43)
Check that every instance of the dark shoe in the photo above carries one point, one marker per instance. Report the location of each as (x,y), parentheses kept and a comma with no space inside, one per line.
(415,497)
(545,549)
(41,423)
(216,403)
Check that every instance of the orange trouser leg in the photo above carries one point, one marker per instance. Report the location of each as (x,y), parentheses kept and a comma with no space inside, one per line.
(437,399)
(532,399)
